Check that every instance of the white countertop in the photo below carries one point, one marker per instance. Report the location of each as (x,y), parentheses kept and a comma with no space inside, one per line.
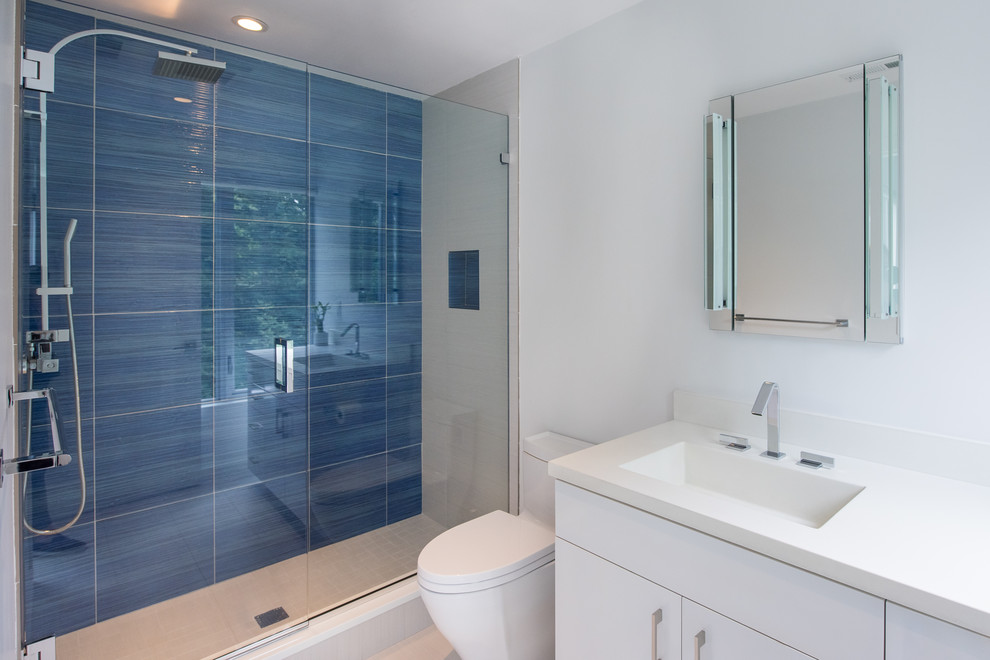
(920,540)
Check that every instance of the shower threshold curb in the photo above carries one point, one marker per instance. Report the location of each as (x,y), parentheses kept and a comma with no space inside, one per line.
(401,602)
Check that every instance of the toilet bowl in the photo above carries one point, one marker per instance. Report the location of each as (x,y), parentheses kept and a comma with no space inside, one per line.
(488,583)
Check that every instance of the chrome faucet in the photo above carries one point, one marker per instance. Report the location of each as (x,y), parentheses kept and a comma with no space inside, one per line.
(357,339)
(768,403)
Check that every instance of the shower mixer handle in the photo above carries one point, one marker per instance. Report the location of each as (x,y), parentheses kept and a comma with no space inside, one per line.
(32,462)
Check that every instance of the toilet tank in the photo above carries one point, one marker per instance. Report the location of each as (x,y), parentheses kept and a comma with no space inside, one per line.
(537,484)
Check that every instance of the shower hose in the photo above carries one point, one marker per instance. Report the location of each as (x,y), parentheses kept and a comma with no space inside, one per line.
(79,451)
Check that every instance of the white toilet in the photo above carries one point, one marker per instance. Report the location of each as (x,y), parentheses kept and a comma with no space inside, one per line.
(488,583)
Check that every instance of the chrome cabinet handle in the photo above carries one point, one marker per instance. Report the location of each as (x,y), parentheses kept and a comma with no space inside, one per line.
(656,618)
(699,641)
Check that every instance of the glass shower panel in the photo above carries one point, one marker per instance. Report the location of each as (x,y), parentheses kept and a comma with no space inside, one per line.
(283,202)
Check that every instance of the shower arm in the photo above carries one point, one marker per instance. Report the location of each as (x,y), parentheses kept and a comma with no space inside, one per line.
(38,67)
(38,73)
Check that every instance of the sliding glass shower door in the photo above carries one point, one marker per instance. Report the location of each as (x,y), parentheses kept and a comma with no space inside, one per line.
(283,203)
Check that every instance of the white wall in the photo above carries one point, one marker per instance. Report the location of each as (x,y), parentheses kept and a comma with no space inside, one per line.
(611,214)
(8,556)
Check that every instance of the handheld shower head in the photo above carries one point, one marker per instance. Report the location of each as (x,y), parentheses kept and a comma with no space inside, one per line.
(187,67)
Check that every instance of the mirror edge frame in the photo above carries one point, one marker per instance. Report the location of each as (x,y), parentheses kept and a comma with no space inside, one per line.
(888,329)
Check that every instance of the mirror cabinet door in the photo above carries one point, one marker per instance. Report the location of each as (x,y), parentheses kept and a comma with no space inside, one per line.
(806,244)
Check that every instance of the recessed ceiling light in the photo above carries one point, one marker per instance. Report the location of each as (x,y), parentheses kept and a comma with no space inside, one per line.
(250,23)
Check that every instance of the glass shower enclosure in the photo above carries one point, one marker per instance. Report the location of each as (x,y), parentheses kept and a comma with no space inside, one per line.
(209,227)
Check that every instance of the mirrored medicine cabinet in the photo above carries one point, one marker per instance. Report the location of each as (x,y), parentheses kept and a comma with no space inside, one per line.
(803,204)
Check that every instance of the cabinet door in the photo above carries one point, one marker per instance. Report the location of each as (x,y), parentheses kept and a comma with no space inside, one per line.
(914,636)
(605,612)
(707,635)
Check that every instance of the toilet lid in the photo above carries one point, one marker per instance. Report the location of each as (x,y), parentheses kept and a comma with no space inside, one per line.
(484,549)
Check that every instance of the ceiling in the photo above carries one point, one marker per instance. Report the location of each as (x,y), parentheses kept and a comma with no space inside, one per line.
(421,45)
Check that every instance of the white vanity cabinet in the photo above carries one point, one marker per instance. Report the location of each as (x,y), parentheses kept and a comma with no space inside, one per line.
(707,635)
(604,612)
(616,565)
(915,636)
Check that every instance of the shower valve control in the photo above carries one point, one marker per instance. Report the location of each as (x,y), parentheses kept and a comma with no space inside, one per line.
(39,350)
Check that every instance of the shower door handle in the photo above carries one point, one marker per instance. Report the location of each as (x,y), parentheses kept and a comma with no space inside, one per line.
(283,364)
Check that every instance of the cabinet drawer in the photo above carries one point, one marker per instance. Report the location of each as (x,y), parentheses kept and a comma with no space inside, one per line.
(914,636)
(819,617)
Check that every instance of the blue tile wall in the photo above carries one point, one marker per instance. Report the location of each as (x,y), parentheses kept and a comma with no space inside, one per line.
(347,499)
(347,187)
(152,165)
(135,253)
(404,483)
(346,115)
(59,582)
(153,458)
(206,229)
(151,361)
(153,555)
(260,525)
(70,156)
(346,422)
(261,97)
(405,127)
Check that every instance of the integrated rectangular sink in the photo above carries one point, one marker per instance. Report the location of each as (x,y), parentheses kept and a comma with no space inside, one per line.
(803,497)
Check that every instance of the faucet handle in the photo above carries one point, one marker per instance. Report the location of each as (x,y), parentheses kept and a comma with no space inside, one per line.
(736,442)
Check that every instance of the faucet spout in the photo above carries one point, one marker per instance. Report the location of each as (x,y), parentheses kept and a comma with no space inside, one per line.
(768,403)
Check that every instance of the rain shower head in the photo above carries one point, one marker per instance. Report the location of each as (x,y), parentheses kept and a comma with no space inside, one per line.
(187,67)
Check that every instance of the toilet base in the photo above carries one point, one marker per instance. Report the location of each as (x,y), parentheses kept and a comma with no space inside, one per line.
(514,621)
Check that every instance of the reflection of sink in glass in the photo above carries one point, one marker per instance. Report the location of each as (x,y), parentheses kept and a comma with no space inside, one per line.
(325,361)
(803,497)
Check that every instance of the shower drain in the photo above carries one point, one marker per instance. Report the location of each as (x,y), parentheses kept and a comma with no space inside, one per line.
(266,619)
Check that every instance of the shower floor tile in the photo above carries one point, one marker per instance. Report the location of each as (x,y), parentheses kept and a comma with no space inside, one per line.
(218,619)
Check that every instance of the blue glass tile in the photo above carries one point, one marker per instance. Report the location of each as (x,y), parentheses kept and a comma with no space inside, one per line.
(155,458)
(346,422)
(346,115)
(62,381)
(81,252)
(347,500)
(405,127)
(150,361)
(260,438)
(405,273)
(405,193)
(261,97)
(260,177)
(405,411)
(404,483)
(261,525)
(70,156)
(152,263)
(348,264)
(260,264)
(44,26)
(244,349)
(51,498)
(124,78)
(405,338)
(150,165)
(59,583)
(347,187)
(336,363)
(153,555)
